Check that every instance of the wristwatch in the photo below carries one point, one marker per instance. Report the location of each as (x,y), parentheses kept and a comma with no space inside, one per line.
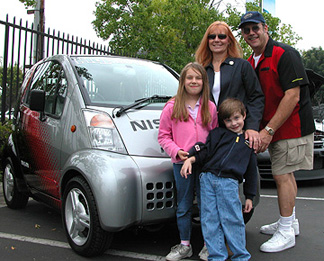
(269,130)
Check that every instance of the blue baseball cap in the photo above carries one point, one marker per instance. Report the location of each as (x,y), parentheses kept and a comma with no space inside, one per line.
(251,17)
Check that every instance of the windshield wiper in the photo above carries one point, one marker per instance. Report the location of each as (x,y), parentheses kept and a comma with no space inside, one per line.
(147,100)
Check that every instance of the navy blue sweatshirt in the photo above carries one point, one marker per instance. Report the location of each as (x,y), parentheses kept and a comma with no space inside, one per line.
(228,155)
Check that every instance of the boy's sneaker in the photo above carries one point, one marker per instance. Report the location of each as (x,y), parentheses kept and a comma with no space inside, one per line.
(179,252)
(272,228)
(203,254)
(281,240)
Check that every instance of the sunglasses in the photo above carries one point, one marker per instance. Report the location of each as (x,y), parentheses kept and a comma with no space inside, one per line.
(220,36)
(255,28)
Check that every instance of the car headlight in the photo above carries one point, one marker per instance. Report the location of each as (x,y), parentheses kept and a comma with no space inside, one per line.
(103,132)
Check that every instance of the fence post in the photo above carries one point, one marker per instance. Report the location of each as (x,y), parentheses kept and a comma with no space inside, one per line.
(4,74)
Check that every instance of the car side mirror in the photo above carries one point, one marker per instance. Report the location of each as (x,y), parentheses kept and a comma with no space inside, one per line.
(37,102)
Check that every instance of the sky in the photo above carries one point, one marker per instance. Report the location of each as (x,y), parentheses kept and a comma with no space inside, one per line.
(74,17)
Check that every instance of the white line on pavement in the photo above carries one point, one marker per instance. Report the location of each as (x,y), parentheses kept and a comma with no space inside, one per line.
(303,198)
(34,240)
(54,243)
(112,251)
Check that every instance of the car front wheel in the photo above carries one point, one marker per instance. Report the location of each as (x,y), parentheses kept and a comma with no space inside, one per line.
(13,197)
(81,220)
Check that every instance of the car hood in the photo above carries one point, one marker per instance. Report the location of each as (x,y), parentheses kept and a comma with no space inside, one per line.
(139,131)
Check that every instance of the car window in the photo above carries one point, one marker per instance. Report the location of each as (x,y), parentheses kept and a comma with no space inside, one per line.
(50,77)
(121,81)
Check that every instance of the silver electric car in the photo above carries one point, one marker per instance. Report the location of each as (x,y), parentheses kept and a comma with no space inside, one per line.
(85,142)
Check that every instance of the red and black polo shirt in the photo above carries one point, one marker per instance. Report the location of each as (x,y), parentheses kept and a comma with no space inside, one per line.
(280,68)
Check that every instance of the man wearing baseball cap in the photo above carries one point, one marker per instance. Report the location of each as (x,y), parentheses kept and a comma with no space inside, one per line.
(287,127)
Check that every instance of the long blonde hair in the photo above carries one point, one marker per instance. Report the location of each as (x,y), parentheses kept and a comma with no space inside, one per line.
(180,111)
(204,55)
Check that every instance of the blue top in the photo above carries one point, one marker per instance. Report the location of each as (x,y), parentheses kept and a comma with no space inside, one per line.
(228,155)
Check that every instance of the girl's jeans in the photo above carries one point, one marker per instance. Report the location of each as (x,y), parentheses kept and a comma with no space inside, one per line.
(185,196)
(221,217)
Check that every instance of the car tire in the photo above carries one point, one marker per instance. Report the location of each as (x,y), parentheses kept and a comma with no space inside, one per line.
(81,220)
(13,197)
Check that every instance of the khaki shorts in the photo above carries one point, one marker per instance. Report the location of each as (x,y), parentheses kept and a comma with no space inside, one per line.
(291,155)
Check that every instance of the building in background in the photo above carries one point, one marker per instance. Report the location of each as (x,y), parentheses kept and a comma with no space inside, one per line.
(268,6)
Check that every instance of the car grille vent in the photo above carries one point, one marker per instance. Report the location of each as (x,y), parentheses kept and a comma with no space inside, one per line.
(318,144)
(159,195)
(265,169)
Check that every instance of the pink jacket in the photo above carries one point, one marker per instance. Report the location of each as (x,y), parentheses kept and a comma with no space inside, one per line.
(174,136)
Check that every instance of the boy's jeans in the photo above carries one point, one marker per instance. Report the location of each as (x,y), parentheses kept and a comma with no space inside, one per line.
(185,196)
(221,217)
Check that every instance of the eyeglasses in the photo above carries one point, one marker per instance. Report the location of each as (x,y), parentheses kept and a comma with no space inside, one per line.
(255,28)
(220,36)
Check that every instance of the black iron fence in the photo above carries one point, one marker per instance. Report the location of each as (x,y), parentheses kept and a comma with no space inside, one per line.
(23,46)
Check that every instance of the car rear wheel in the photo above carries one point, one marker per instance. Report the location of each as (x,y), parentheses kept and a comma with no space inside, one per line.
(81,220)
(14,198)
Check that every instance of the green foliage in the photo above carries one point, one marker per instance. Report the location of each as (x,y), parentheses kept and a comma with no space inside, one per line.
(5,131)
(314,59)
(28,3)
(162,30)
(277,31)
(13,82)
(171,30)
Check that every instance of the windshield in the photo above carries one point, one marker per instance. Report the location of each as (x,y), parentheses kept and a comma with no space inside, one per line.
(116,81)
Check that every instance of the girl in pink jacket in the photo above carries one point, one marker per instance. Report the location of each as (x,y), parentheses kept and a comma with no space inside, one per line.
(185,120)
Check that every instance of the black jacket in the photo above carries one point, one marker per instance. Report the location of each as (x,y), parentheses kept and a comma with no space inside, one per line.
(239,80)
(228,155)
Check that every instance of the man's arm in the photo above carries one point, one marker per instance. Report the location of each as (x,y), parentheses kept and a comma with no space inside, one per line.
(284,110)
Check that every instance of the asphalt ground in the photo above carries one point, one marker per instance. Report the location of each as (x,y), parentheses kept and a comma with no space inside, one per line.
(36,233)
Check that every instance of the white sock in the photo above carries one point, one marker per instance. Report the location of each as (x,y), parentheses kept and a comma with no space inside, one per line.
(185,242)
(285,223)
(294,213)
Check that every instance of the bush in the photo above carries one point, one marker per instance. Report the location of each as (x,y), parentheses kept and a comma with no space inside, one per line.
(5,130)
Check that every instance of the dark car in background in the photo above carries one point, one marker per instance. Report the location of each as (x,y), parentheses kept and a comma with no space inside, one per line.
(264,163)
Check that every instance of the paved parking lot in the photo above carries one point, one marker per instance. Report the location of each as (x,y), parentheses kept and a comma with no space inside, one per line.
(36,232)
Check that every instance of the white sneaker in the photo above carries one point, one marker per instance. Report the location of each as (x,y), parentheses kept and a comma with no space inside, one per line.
(272,228)
(179,252)
(203,254)
(280,241)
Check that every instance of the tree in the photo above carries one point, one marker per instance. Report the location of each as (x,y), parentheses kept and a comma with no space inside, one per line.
(171,30)
(314,59)
(28,3)
(13,82)
(162,30)
(277,31)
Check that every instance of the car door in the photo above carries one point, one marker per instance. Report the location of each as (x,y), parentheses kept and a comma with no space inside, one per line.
(40,139)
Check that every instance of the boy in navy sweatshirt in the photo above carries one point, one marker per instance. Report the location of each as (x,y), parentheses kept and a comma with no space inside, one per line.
(226,159)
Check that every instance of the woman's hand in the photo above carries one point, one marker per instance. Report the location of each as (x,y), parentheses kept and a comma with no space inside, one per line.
(248,206)
(254,139)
